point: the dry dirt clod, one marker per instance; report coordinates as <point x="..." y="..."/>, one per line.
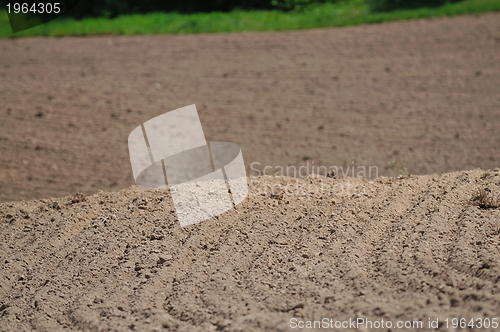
<point x="77" y="198"/>
<point x="485" y="199"/>
<point x="331" y="174"/>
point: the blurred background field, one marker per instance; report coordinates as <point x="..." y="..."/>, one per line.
<point x="190" y="16"/>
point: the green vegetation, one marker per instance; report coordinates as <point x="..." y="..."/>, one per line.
<point x="391" y="5"/>
<point x="341" y="13"/>
<point x="401" y="170"/>
<point x="114" y="8"/>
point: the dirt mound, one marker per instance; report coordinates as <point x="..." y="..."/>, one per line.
<point x="405" y="249"/>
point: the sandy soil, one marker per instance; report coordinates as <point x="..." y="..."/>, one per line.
<point x="401" y="249"/>
<point x="422" y="92"/>
<point x="393" y="249"/>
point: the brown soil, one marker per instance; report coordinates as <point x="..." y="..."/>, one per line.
<point x="422" y="92"/>
<point x="394" y="249"/>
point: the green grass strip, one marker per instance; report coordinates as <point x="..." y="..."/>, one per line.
<point x="327" y="15"/>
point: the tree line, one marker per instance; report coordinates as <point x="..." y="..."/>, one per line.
<point x="114" y="8"/>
